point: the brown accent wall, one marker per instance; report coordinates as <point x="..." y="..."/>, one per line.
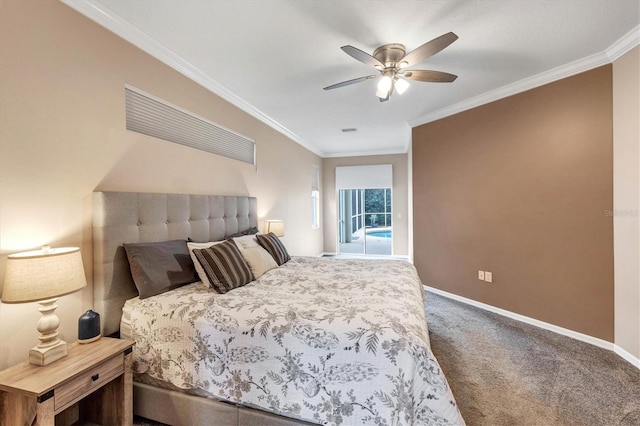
<point x="522" y="187"/>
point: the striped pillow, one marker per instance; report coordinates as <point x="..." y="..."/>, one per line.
<point x="199" y="270"/>
<point x="224" y="266"/>
<point x="274" y="246"/>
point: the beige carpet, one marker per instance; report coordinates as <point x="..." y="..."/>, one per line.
<point x="504" y="372"/>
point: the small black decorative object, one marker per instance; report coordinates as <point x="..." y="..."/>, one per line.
<point x="89" y="327"/>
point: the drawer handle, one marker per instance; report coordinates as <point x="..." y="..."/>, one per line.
<point x="95" y="377"/>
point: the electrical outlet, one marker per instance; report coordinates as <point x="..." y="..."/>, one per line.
<point x="481" y="275"/>
<point x="488" y="277"/>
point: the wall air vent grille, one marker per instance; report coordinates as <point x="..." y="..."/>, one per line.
<point x="151" y="116"/>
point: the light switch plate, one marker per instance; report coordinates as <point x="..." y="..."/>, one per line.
<point x="488" y="277"/>
<point x="481" y="275"/>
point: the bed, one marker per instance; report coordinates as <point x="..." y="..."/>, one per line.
<point x="311" y="341"/>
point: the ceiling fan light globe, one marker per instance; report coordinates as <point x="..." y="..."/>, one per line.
<point x="384" y="84"/>
<point x="382" y="94"/>
<point x="402" y="64"/>
<point x="401" y="85"/>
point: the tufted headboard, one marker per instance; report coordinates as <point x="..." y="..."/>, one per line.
<point x="138" y="217"/>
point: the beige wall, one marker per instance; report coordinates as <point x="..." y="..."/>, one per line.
<point x="520" y="187"/>
<point x="62" y="136"/>
<point x="626" y="200"/>
<point x="399" y="195"/>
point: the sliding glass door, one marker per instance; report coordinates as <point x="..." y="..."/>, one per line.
<point x="364" y="221"/>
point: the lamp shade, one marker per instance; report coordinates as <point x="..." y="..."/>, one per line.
<point x="43" y="274"/>
<point x="275" y="226"/>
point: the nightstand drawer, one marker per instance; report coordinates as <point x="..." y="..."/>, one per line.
<point x="81" y="386"/>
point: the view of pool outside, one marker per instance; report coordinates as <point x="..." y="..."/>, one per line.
<point x="379" y="233"/>
<point x="365" y="209"/>
<point x="378" y="241"/>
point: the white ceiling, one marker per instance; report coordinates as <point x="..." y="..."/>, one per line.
<point x="273" y="57"/>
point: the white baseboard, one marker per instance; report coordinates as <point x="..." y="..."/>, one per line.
<point x="541" y="324"/>
<point x="626" y="355"/>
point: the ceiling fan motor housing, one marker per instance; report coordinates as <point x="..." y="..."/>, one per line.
<point x="390" y="54"/>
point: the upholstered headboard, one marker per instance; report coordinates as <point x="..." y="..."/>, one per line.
<point x="136" y="217"/>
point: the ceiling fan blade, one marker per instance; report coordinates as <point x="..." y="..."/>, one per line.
<point x="350" y="82"/>
<point x="430" y="76"/>
<point x="428" y="49"/>
<point x="361" y="56"/>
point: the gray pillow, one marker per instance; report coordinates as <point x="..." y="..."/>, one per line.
<point x="250" y="231"/>
<point x="160" y="267"/>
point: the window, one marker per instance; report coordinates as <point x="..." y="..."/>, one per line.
<point x="315" y="197"/>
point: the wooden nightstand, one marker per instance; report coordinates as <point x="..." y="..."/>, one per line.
<point x="97" y="376"/>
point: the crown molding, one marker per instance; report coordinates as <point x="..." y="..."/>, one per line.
<point x="558" y="73"/>
<point x="613" y="52"/>
<point x="365" y="153"/>
<point x="143" y="41"/>
<point x="624" y="44"/>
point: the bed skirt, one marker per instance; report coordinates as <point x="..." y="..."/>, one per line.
<point x="181" y="409"/>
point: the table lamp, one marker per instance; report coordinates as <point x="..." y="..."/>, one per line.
<point x="42" y="276"/>
<point x="275" y="226"/>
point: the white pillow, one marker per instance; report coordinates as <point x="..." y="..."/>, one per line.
<point x="196" y="263"/>
<point x="258" y="259"/>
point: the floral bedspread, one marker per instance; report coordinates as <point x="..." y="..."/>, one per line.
<point x="340" y="342"/>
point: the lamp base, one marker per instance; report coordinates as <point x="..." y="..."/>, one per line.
<point x="45" y="356"/>
<point x="50" y="348"/>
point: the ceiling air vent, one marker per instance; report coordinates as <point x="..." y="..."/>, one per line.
<point x="152" y="116"/>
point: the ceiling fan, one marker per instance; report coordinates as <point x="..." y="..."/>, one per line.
<point x="391" y="60"/>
